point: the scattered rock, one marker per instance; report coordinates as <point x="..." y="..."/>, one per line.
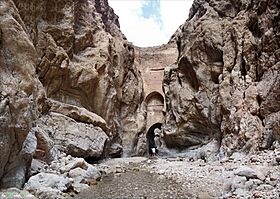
<point x="238" y="182"/>
<point x="49" y="185"/>
<point x="78" y="187"/>
<point x="37" y="166"/>
<point x="78" y="174"/>
<point x="92" y="173"/>
<point x="77" y="162"/>
<point x="15" y="193"/>
<point x="248" y="172"/>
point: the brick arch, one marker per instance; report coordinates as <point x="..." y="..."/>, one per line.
<point x="154" y="95"/>
<point x="155" y="106"/>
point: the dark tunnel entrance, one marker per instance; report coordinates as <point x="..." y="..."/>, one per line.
<point x="151" y="136"/>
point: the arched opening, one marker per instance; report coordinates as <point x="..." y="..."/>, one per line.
<point x="154" y="99"/>
<point x="155" y="106"/>
<point x="151" y="136"/>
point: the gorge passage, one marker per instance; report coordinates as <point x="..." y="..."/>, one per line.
<point x="74" y="90"/>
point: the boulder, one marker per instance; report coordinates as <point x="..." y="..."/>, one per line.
<point x="246" y="172"/>
<point x="48" y="185"/>
<point x="85" y="175"/>
<point x="92" y="173"/>
<point x="76" y="163"/>
<point x="37" y="166"/>
<point x="78" y="114"/>
<point x="78" y="174"/>
<point x="72" y="137"/>
<point x="249" y="173"/>
<point x="78" y="187"/>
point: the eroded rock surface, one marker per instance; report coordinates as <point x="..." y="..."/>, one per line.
<point x="69" y="85"/>
<point x="21" y="96"/>
<point x="84" y="59"/>
<point x="224" y="88"/>
<point x="75" y="138"/>
<point x="67" y="79"/>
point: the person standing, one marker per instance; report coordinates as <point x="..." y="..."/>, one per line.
<point x="157" y="139"/>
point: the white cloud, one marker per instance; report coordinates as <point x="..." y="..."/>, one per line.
<point x="174" y="13"/>
<point x="147" y="31"/>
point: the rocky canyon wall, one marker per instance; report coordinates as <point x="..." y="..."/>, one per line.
<point x="68" y="83"/>
<point x="224" y="92"/>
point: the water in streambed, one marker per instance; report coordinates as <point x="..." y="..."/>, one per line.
<point x="134" y="184"/>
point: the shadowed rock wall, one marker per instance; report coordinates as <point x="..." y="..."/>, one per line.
<point x="225" y="87"/>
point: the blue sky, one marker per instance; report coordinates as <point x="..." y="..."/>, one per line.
<point x="150" y="22"/>
<point x="151" y="9"/>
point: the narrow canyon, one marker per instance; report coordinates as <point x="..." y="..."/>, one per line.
<point x="84" y="113"/>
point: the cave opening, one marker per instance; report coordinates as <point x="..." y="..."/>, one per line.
<point x="152" y="136"/>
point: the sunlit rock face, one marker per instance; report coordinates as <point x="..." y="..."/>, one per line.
<point x="84" y="59"/>
<point x="225" y="87"/>
<point x="72" y="53"/>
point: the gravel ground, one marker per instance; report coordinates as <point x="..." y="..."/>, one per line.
<point x="135" y="184"/>
<point x="256" y="176"/>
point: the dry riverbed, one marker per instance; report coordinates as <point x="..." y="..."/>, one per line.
<point x="239" y="176"/>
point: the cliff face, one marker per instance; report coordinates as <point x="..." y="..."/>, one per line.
<point x="224" y="91"/>
<point x="67" y="82"/>
<point x="21" y="94"/>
